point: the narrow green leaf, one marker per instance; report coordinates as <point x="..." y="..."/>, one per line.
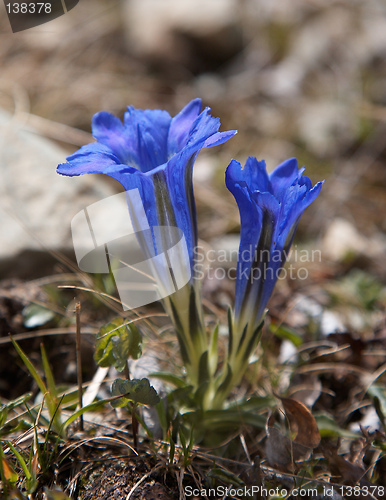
<point x="179" y="330"/>
<point x="253" y="341"/>
<point x="82" y="411"/>
<point x="20" y="459"/>
<point x="18" y="401"/>
<point x="213" y="351"/>
<point x="203" y="369"/>
<point x="228" y="377"/>
<point x="328" y="427"/>
<point x="162" y="416"/>
<point x="224" y="420"/>
<point x="225" y="476"/>
<point x="230" y="329"/>
<point x="51" y="401"/>
<point x="194" y="318"/>
<point x="182" y="438"/>
<point x="285" y="333"/>
<point x="30" y="367"/>
<point x="48" y="373"/>
<point x="172" y="449"/>
<point x="378" y="393"/>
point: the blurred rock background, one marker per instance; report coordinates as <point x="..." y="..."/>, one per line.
<point x="304" y="78"/>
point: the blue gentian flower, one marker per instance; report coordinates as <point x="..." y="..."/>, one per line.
<point x="155" y="153"/>
<point x="270" y="209"/>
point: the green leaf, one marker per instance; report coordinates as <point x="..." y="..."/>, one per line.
<point x="117" y="342"/>
<point x="203" y="369"/>
<point x="225" y="476"/>
<point x="378" y="393"/>
<point x="48" y="373"/>
<point x="3" y="416"/>
<point x="226" y="381"/>
<point x="30" y="367"/>
<point x="52" y="403"/>
<point x="20" y="459"/>
<point x="36" y="315"/>
<point x="137" y="391"/>
<point x="230" y="329"/>
<point x="163" y="417"/>
<point x="7" y="470"/>
<point x="10" y="426"/>
<point x="328" y="427"/>
<point x="172" y="450"/>
<point x="181" y="397"/>
<point x="213" y="351"/>
<point x="285" y="333"/>
<point x="91" y="407"/>
<point x="222" y="420"/>
<point x="19" y="401"/>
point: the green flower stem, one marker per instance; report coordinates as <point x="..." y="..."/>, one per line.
<point x="242" y="344"/>
<point x="185" y="309"/>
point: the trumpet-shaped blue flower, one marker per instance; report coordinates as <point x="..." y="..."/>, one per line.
<point x="270" y="209"/>
<point x="153" y="152"/>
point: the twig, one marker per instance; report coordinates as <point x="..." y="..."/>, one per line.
<point x="134" y="421"/>
<point x="141" y="481"/>
<point x="79" y="363"/>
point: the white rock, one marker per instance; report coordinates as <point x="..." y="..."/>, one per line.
<point x="322" y="122"/>
<point x="36" y="204"/>
<point x="341" y="239"/>
<point x="331" y="323"/>
<point x="151" y="23"/>
<point x="288" y="353"/>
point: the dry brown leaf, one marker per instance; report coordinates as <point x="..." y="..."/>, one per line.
<point x="280" y="451"/>
<point x="302" y="422"/>
<point x="9" y="473"/>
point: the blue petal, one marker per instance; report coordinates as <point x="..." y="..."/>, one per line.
<point x="296" y="200"/>
<point x="270" y="209"/>
<point x="91" y="159"/>
<point x="181" y="125"/>
<point x="284" y="176"/>
<point x="255" y="175"/>
<point x="219" y="138"/>
<point x="202" y="128"/>
<point x="155" y="154"/>
<point x="109" y="130"/>
<point x="147" y="131"/>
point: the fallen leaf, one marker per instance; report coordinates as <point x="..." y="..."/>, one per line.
<point x="302" y="422"/>
<point x="9" y="474"/>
